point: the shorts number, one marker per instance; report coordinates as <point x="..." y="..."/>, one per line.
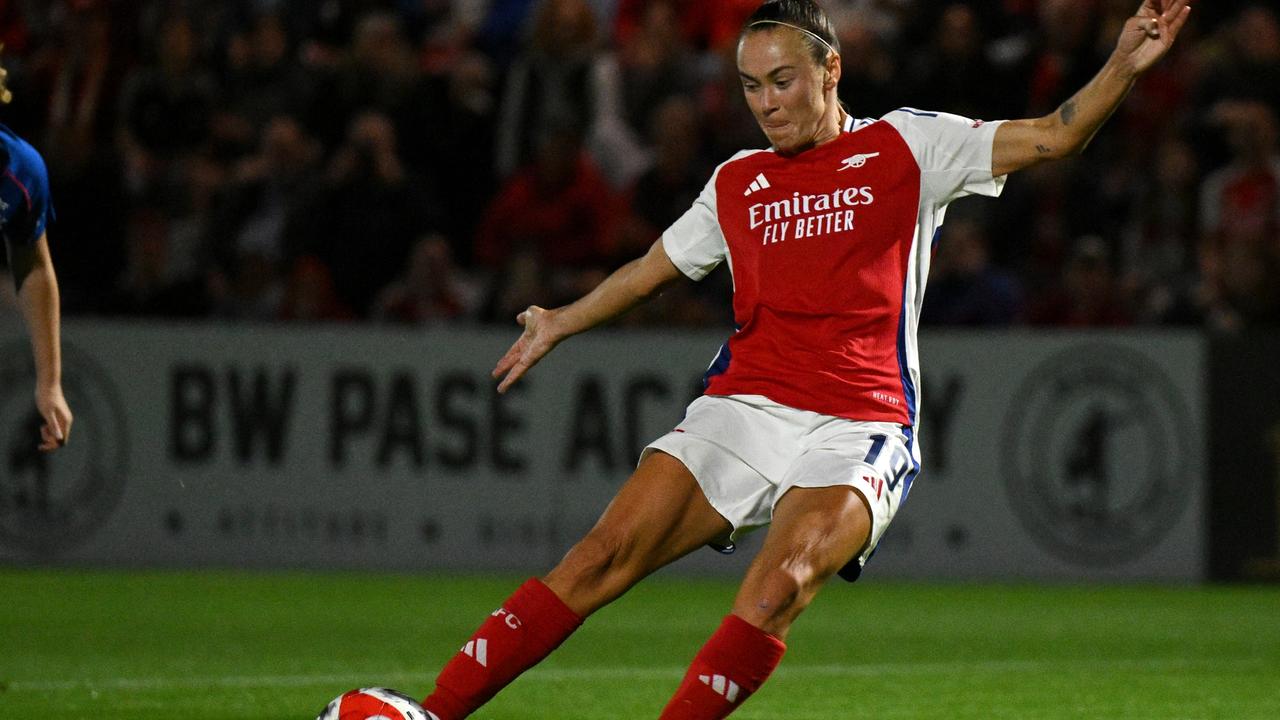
<point x="899" y="462"/>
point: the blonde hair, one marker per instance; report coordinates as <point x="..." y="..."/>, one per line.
<point x="5" y="96"/>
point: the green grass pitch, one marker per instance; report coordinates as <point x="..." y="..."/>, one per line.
<point x="142" y="645"/>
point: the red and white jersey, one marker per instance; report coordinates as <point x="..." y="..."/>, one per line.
<point x="829" y="252"/>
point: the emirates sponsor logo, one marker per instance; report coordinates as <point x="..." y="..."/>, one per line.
<point x="802" y="216"/>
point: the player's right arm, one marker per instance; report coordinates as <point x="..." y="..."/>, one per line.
<point x="38" y="295"/>
<point x="1145" y="38"/>
<point x="626" y="288"/>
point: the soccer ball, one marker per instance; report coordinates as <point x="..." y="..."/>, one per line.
<point x="374" y="704"/>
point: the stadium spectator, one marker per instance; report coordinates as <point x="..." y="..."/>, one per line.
<point x="455" y="142"/>
<point x="13" y="26"/>
<point x="431" y="288"/>
<point x="655" y="65"/>
<point x="68" y="100"/>
<point x="1240" y="219"/>
<point x="560" y="207"/>
<point x="657" y="199"/>
<point x="165" y="109"/>
<point x="1158" y="253"/>
<point x="888" y="19"/>
<point x="370" y="208"/>
<point x="1250" y="62"/>
<point x="1062" y="56"/>
<point x="710" y="25"/>
<point x="520" y="281"/>
<point x="73" y="78"/>
<point x="261" y="80"/>
<point x="252" y="290"/>
<point x="563" y="79"/>
<point x="308" y="294"/>
<point x="264" y="198"/>
<point x="1087" y="294"/>
<point x="456" y="146"/>
<point x="192" y="220"/>
<point x="153" y="283"/>
<point x="378" y="73"/>
<point x="673" y="181"/>
<point x="870" y="71"/>
<point x="954" y="70"/>
<point x="500" y="32"/>
<point x="964" y="287"/>
<point x="552" y="82"/>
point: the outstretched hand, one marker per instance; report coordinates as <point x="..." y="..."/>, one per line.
<point x="537" y="340"/>
<point x="1149" y="34"/>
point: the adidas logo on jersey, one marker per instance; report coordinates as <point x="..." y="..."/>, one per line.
<point x="760" y="183"/>
<point x="857" y="161"/>
<point x="721" y="685"/>
<point x="478" y="650"/>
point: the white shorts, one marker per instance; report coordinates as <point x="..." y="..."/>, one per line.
<point x="747" y="451"/>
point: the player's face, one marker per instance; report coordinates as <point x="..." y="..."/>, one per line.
<point x="785" y="88"/>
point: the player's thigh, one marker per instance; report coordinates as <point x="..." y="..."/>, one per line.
<point x="819" y="527"/>
<point x="874" y="459"/>
<point x="815" y="532"/>
<point x="659" y="515"/>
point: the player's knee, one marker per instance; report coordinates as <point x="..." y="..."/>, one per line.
<point x="779" y="596"/>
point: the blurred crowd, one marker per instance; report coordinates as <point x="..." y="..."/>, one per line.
<point x="425" y="161"/>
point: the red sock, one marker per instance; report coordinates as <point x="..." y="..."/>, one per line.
<point x="528" y="626"/>
<point x="734" y="663"/>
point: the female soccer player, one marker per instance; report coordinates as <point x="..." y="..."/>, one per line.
<point x="24" y="213"/>
<point x="808" y="421"/>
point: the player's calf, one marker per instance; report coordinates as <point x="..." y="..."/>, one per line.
<point x="601" y="567"/>
<point x="515" y="637"/>
<point x="733" y="664"/>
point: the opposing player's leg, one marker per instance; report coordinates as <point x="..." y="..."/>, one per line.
<point x="659" y="515"/>
<point x="815" y="532"/>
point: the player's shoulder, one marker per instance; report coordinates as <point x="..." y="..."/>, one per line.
<point x="744" y="157"/>
<point x="743" y="162"/>
<point x="913" y="120"/>
<point x="924" y="129"/>
<point x="10" y="140"/>
<point x="19" y="155"/>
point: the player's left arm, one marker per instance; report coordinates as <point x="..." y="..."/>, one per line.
<point x="1145" y="39"/>
<point x="38" y="295"/>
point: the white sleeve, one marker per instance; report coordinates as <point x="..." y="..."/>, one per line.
<point x="954" y="153"/>
<point x="695" y="243"/>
